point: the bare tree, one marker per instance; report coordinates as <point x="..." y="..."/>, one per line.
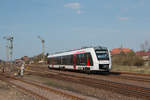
<point x="142" y="47"/>
<point x="145" y="46"/>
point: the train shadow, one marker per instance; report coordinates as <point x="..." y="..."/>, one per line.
<point x="95" y="72"/>
<point x="89" y="73"/>
<point x="105" y="73"/>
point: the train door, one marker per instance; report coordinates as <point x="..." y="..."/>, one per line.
<point x="74" y="61"/>
<point x="88" y="61"/>
<point x="52" y="62"/>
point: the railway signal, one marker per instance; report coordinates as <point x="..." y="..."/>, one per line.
<point x="9" y="49"/>
<point x="43" y="48"/>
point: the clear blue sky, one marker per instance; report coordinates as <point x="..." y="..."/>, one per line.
<point x="69" y="24"/>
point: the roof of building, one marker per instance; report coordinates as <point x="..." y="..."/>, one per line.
<point x="119" y="50"/>
<point x="143" y="53"/>
<point x="148" y="52"/>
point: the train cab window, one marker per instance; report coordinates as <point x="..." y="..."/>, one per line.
<point x="102" y="55"/>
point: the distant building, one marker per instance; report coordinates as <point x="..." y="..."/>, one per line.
<point x="18" y="61"/>
<point x="141" y="53"/>
<point x="145" y="54"/>
<point x="26" y="58"/>
<point x="116" y="51"/>
<point x="148" y="52"/>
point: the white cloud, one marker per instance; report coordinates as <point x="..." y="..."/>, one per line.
<point x="142" y="2"/>
<point x="78" y="11"/>
<point x="139" y="3"/>
<point x="75" y="6"/>
<point x="123" y="18"/>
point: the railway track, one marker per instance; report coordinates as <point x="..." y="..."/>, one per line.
<point x="113" y="74"/>
<point x="129" y="73"/>
<point x="133" y="78"/>
<point x="122" y="88"/>
<point x="38" y="90"/>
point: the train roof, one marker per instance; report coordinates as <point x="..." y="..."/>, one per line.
<point x="83" y="48"/>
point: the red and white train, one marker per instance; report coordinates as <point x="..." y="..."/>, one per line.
<point x="86" y="59"/>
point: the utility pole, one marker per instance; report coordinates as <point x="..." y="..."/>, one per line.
<point x="9" y="50"/>
<point x="1" y="66"/>
<point x="43" y="47"/>
<point x="7" y="53"/>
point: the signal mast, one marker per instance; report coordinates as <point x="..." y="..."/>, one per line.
<point x="43" y="48"/>
<point x="9" y="50"/>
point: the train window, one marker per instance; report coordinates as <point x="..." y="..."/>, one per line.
<point x="66" y="60"/>
<point x="70" y="60"/>
<point x="51" y="60"/>
<point x="63" y="60"/>
<point x="55" y="61"/>
<point x="77" y="60"/>
<point x="81" y="59"/>
<point x="58" y="60"/>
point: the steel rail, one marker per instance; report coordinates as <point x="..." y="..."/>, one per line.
<point x="73" y="97"/>
<point x="133" y="78"/>
<point x="29" y="92"/>
<point x="114" y="75"/>
<point x="122" y="88"/>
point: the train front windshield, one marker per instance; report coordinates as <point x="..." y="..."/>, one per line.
<point x="102" y="55"/>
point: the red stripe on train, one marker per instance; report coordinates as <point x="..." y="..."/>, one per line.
<point x="88" y="62"/>
<point x="74" y="61"/>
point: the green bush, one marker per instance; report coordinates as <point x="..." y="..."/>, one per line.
<point x="129" y="59"/>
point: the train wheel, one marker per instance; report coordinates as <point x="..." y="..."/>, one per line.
<point x="87" y="71"/>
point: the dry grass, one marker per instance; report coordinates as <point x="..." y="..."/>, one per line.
<point x="139" y="69"/>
